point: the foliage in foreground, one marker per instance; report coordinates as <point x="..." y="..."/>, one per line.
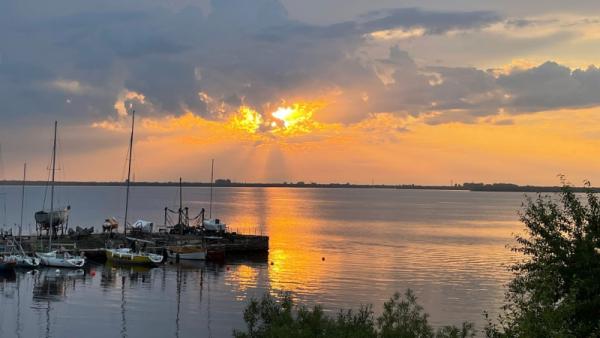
<point x="555" y="291"/>
<point x="402" y="317"/>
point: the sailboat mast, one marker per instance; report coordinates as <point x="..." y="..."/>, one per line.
<point x="22" y="200"/>
<point x="129" y="170"/>
<point x="212" y="169"/>
<point x="51" y="229"/>
<point x="180" y="203"/>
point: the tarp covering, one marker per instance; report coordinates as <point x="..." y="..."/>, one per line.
<point x="143" y="226"/>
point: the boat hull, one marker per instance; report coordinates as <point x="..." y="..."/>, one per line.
<point x="58" y="217"/>
<point x="126" y="256"/>
<point x="187" y="253"/>
<point x="7" y="265"/>
<point x="55" y="259"/>
<point x="26" y="262"/>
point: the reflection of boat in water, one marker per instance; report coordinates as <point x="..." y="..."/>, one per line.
<point x="61" y="259"/>
<point x="187" y="252"/>
<point x="51" y="284"/>
<point x="8" y="275"/>
<point x="128" y="256"/>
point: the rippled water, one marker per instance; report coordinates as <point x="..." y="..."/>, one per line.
<point x="338" y="247"/>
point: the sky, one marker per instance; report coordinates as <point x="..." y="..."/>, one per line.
<point x="394" y="92"/>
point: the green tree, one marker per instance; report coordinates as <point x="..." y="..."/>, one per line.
<point x="555" y="291"/>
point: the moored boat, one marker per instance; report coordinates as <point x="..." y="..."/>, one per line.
<point x="25" y="261"/>
<point x="55" y="258"/>
<point x="60" y="259"/>
<point x="214" y="224"/>
<point x="18" y="255"/>
<point x="187" y="252"/>
<point x="128" y="256"/>
<point x="22" y="259"/>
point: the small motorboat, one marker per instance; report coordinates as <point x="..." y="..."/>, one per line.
<point x="214" y="224"/>
<point x="7" y="263"/>
<point x="188" y="252"/>
<point x="128" y="256"/>
<point x="60" y="259"/>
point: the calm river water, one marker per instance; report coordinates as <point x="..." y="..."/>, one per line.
<point x="337" y="247"/>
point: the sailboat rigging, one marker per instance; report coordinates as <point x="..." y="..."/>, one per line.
<point x="52" y="220"/>
<point x="213" y="224"/>
<point x="128" y="255"/>
<point x="18" y="255"/>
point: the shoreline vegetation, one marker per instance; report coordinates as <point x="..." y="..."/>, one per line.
<point x="226" y="183"/>
<point x="554" y="291"/>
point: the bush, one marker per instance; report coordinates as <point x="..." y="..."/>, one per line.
<point x="401" y="317"/>
<point x="556" y="288"/>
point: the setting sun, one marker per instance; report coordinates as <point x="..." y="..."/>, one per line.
<point x="297" y="117"/>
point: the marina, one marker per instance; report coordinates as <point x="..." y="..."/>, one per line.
<point x="93" y="246"/>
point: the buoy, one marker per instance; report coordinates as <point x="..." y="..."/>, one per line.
<point x="272" y="263"/>
<point x="323" y="259"/>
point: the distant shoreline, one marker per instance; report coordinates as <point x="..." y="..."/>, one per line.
<point x="496" y="187"/>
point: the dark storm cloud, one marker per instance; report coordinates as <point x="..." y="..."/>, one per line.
<point x="552" y="86"/>
<point x="65" y="59"/>
<point x="433" y="22"/>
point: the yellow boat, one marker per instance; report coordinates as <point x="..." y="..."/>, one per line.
<point x="127" y="256"/>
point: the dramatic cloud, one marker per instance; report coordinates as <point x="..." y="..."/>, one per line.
<point x="258" y="74"/>
<point x="75" y="62"/>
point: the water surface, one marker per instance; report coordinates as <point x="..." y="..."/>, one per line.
<point x="337" y="247"/>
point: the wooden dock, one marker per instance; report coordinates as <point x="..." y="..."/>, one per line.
<point x="227" y="244"/>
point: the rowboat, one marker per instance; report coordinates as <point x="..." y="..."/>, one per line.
<point x="60" y="259"/>
<point x="188" y="252"/>
<point x="127" y="256"/>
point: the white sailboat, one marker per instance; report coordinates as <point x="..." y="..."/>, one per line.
<point x="21" y="259"/>
<point x="60" y="259"/>
<point x="17" y="254"/>
<point x="56" y="258"/>
<point x="213" y="224"/>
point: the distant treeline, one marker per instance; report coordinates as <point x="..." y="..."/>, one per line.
<point x="507" y="187"/>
